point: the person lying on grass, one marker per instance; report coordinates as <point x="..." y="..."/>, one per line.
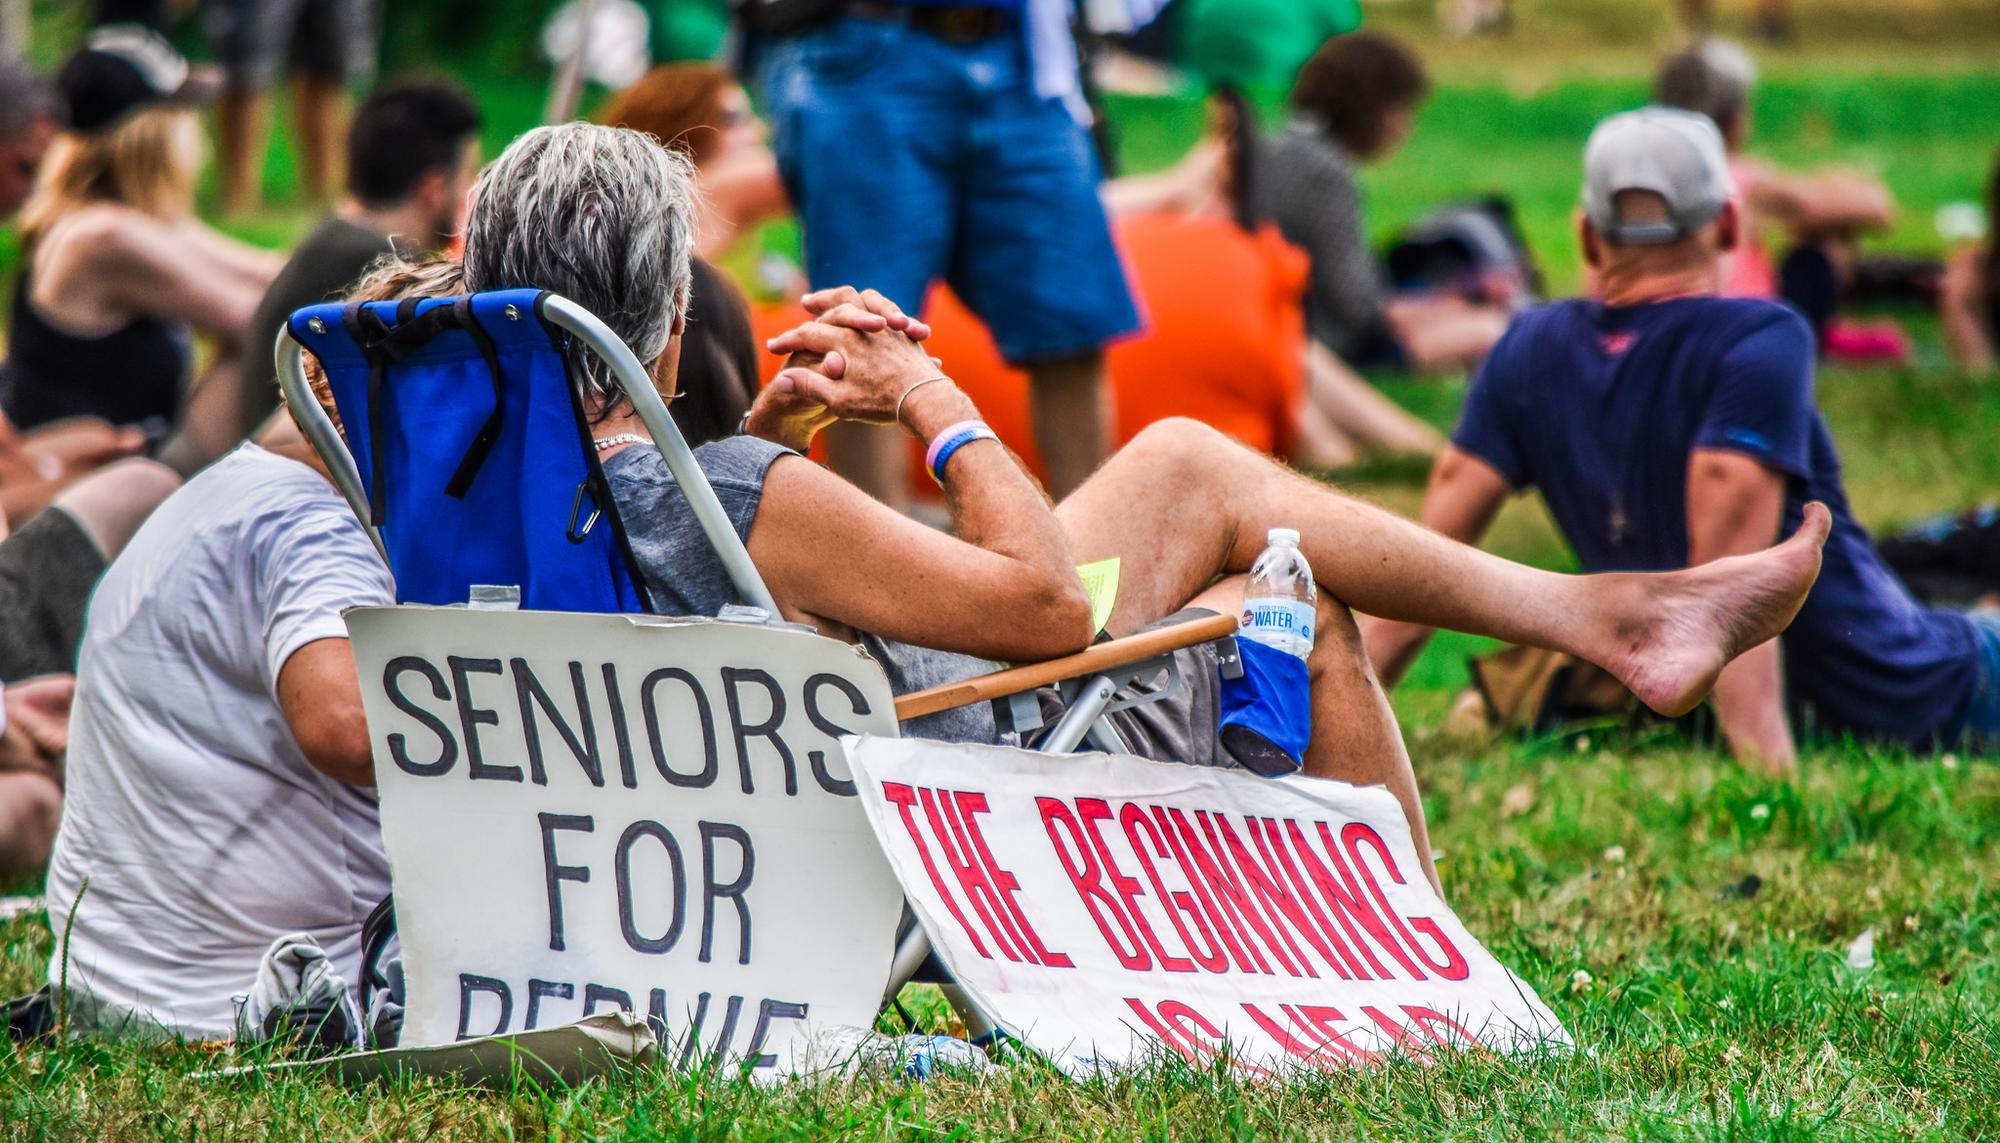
<point x="604" y="217"/>
<point x="1667" y="427"/>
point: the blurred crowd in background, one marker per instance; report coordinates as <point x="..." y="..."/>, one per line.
<point x="949" y="155"/>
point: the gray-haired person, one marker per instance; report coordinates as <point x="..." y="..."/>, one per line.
<point x="1820" y="212"/>
<point x="602" y="216"/>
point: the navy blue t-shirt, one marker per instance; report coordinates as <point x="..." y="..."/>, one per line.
<point x="1601" y="407"/>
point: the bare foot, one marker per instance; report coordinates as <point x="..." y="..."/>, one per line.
<point x="1686" y="626"/>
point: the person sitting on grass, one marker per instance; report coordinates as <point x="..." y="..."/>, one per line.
<point x="36" y="465"/>
<point x="220" y="781"/>
<point x="1822" y="213"/>
<point x="47" y="571"/>
<point x="1970" y="306"/>
<point x="1669" y="427"/>
<point x="412" y="152"/>
<point x="605" y="217"/>
<point x="115" y="268"/>
<point x="1354" y="103"/>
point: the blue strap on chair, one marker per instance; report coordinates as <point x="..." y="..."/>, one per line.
<point x="472" y="445"/>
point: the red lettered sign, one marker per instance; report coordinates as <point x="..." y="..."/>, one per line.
<point x="1104" y="908"/>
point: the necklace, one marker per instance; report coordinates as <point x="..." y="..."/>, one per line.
<point x="617" y="439"/>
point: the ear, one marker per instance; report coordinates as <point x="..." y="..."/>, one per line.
<point x="431" y="188"/>
<point x="1593" y="253"/>
<point x="1728" y="227"/>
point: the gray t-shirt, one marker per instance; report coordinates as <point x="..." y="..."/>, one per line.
<point x="686" y="577"/>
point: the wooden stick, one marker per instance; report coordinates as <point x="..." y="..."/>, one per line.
<point x="1089" y="661"/>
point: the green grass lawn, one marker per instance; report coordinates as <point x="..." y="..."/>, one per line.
<point x="1709" y="911"/>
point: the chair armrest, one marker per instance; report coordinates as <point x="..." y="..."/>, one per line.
<point x="1091" y="660"/>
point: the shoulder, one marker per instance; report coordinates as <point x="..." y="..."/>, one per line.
<point x="95" y="237"/>
<point x="271" y="490"/>
<point x="1739" y="319"/>
<point x="339" y="238"/>
<point x="738" y="461"/>
<point x="1301" y="153"/>
<point x="1550" y="323"/>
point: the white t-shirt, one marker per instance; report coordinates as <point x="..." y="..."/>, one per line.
<point x="201" y="828"/>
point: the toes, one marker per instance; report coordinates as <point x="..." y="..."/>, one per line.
<point x="1818" y="523"/>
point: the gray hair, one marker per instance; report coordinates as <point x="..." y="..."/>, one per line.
<point x="24" y="97"/>
<point x="1713" y="78"/>
<point x="604" y="216"/>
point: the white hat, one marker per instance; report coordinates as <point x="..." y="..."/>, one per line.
<point x="1675" y="154"/>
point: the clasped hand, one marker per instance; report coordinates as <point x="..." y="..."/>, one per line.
<point x="854" y="362"/>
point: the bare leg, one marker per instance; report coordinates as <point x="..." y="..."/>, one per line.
<point x="1445" y="333"/>
<point x="30" y="810"/>
<point x="241" y="118"/>
<point x="1355" y="736"/>
<point x="1360" y="411"/>
<point x="111" y="503"/>
<point x="1183" y="503"/>
<point x="1071" y="406"/>
<point x="1321" y="444"/>
<point x="1961" y="311"/>
<point x="874" y="458"/>
<point x="322" y="117"/>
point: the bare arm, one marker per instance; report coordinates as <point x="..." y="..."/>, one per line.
<point x="126" y="263"/>
<point x="1963" y="311"/>
<point x="1823" y="200"/>
<point x="253" y="264"/>
<point x="1194" y="185"/>
<point x="321" y="698"/>
<point x="1464" y="495"/>
<point x="1004" y="586"/>
<point x="1735" y="506"/>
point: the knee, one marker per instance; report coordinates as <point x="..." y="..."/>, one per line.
<point x="1338" y="641"/>
<point x="143" y="483"/>
<point x="111" y="503"/>
<point x="1178" y="443"/>
<point x="31" y="810"/>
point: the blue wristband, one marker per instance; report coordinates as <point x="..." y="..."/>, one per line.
<point x="955" y="438"/>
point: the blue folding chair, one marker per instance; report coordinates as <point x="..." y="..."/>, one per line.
<point x="468" y="452"/>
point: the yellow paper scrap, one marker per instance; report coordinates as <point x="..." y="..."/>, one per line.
<point x="1100" y="583"/>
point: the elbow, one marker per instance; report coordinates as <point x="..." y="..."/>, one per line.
<point x="1057" y="620"/>
<point x="341" y="750"/>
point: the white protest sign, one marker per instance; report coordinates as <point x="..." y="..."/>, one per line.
<point x="589" y="812"/>
<point x="1098" y="906"/>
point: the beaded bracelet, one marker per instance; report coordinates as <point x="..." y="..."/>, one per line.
<point x="953" y="438"/>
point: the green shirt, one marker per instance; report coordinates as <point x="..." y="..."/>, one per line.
<point x="1258" y="46"/>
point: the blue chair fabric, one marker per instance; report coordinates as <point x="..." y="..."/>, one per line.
<point x="475" y="450"/>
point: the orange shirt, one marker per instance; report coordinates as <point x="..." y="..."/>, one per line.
<point x="1224" y="341"/>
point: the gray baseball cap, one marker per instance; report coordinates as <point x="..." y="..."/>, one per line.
<point x="1675" y="154"/>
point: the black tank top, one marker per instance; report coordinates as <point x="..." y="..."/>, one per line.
<point x="131" y="376"/>
<point x="1992" y="269"/>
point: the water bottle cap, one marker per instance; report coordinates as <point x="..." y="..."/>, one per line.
<point x="1289" y="537"/>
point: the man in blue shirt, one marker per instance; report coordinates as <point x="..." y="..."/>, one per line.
<point x="1667" y="427"/>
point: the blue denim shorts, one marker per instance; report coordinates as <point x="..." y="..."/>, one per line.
<point x="911" y="159"/>
<point x="1981" y="726"/>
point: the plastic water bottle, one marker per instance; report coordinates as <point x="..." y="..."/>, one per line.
<point x="1279" y="604"/>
